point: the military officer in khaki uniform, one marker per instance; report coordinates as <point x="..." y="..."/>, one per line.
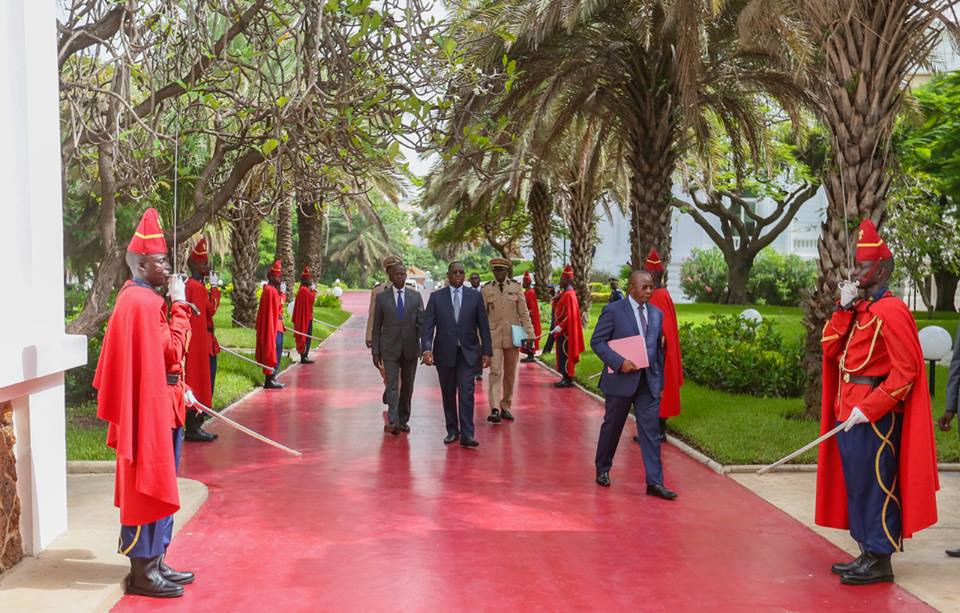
<point x="506" y="307"/>
<point x="388" y="263"/>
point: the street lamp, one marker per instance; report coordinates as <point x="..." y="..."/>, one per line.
<point x="936" y="344"/>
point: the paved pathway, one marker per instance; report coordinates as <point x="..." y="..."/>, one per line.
<point x="372" y="522"/>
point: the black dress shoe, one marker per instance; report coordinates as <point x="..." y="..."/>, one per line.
<point x="199" y="435"/>
<point x="636" y="438"/>
<point x="271" y="383"/>
<point x="660" y="492"/>
<point x="305" y="360"/>
<point x="845" y="567"/>
<point x="145" y="580"/>
<point x="384" y="399"/>
<point x="875" y="568"/>
<point x="404" y="428"/>
<point x="529" y="359"/>
<point x="478" y="378"/>
<point x="494" y="416"/>
<point x="953" y="553"/>
<point x="506" y="414"/>
<point x="565" y="382"/>
<point x="391" y="428"/>
<point x="468" y="442"/>
<point x="175" y="576"/>
<point x="451" y="438"/>
<point x="603" y="479"/>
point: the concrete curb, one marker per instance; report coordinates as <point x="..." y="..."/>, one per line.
<point x="92" y="467"/>
<point x="722" y="469"/>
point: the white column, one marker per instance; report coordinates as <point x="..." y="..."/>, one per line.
<point x="34" y="350"/>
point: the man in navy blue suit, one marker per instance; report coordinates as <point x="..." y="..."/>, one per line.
<point x="630" y="385"/>
<point x="456" y="337"/>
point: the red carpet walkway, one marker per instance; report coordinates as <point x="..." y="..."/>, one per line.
<point x="372" y="522"/>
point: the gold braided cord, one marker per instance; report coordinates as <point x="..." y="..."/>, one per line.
<point x="885" y="442"/>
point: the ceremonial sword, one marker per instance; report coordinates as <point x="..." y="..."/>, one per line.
<point x="243" y="357"/>
<point x="806" y="447"/>
<point x="245" y="430"/>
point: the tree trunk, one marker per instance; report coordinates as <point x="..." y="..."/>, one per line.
<point x="244" y="244"/>
<point x="285" y="245"/>
<point x="540" y="206"/>
<point x="946" y="289"/>
<point x="652" y="162"/>
<point x="738" y="271"/>
<point x="310" y="228"/>
<point x="583" y="223"/>
<point x="860" y="103"/>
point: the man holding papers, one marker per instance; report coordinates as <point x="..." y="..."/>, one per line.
<point x="629" y="340"/>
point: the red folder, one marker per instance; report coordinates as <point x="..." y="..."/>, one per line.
<point x="633" y="348"/>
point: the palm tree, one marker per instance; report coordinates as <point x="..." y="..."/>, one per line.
<point x="665" y="72"/>
<point x="865" y="52"/>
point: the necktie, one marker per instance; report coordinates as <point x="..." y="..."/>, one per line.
<point x="643" y="321"/>
<point x="501" y="288"/>
<point x="456" y="304"/>
<point x="400" y="303"/>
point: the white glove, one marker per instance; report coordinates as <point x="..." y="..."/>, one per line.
<point x="313" y="287"/>
<point x="283" y="287"/>
<point x="176" y="290"/>
<point x="214" y="280"/>
<point x="556" y="330"/>
<point x="856" y="417"/>
<point x="848" y="292"/>
<point x="189" y="398"/>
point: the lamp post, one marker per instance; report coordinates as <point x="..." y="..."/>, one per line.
<point x="936" y="344"/>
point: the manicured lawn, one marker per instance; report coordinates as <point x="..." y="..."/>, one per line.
<point x="235" y="377"/>
<point x="741" y="429"/>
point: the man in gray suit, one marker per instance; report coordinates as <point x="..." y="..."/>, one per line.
<point x="953" y="401"/>
<point x="629" y="385"/>
<point x="397" y="316"/>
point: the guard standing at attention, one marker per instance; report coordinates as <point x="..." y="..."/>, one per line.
<point x="506" y="308"/>
<point x="878" y="476"/>
<point x="198" y="373"/>
<point x="140" y="394"/>
<point x="533" y="306"/>
<point x="568" y="329"/>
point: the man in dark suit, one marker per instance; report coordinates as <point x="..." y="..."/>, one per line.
<point x="397" y="316"/>
<point x="456" y="337"/>
<point x="630" y="385"/>
<point x="953" y="401"/>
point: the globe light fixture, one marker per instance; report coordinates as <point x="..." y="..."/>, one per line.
<point x="936" y="344"/>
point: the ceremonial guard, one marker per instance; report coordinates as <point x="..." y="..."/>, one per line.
<point x="270" y="326"/>
<point x="140" y="394"/>
<point x="303" y="314"/>
<point x="200" y="368"/>
<point x="673" y="357"/>
<point x="506" y="309"/>
<point x="878" y="476"/>
<point x="530" y="296"/>
<point x="568" y="329"/>
<point x="615" y="293"/>
<point x="388" y="262"/>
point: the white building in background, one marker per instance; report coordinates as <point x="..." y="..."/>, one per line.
<point x="34" y="350"/>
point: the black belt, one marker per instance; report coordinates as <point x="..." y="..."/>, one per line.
<point x="864" y="380"/>
<point x="172" y="379"/>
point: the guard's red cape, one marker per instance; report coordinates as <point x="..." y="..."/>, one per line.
<point x="534" y="307"/>
<point x="133" y="397"/>
<point x="271" y="306"/>
<point x="214" y="305"/>
<point x="197" y="372"/>
<point x="567" y="313"/>
<point x="918" y="477"/>
<point x="303" y="314"/>
<point x="673" y="358"/>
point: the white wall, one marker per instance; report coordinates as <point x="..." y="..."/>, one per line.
<point x="34" y="350"/>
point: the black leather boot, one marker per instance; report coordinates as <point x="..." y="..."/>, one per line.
<point x="874" y="568"/>
<point x="845" y="567"/>
<point x="270" y="383"/>
<point x="175" y="576"/>
<point x="198" y="435"/>
<point x="145" y="580"/>
<point x="304" y="359"/>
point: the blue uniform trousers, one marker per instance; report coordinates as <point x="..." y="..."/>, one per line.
<point x="562" y="355"/>
<point x="213" y="373"/>
<point x="870" y="455"/>
<point x="306" y="349"/>
<point x="276" y="370"/>
<point x="151" y="540"/>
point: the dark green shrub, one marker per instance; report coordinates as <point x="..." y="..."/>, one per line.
<point x="780" y="279"/>
<point x="736" y="355"/>
<point x="703" y="275"/>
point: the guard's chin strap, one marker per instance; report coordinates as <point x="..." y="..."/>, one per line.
<point x="872" y="271"/>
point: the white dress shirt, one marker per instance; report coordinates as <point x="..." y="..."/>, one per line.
<point x="636" y="307"/>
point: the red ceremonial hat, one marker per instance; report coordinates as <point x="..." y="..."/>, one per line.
<point x="567" y="273"/>
<point x="148" y="237"/>
<point x="653" y="263"/>
<point x="306" y="273"/>
<point x="277" y="268"/>
<point x="870" y="247"/>
<point x="527" y="278"/>
<point x="199" y="253"/>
